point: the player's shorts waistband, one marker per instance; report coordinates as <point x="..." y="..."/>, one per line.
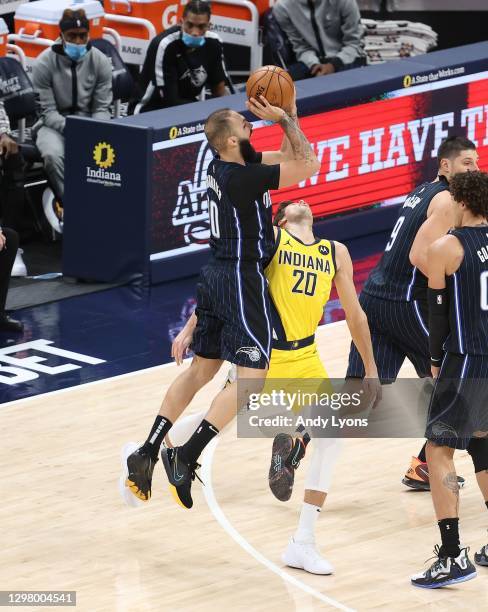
<point x="293" y="345"/>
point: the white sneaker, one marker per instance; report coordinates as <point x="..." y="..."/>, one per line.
<point x="19" y="269"/>
<point x="304" y="555"/>
<point x="128" y="498"/>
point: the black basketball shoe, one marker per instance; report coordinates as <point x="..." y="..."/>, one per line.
<point x="140" y="467"/>
<point x="481" y="558"/>
<point x="446" y="571"/>
<point x="285" y="459"/>
<point x="180" y="475"/>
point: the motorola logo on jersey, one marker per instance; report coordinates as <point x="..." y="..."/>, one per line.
<point x="323" y="249"/>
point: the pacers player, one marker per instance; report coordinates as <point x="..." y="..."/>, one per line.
<point x="300" y="275"/>
<point x="232" y="299"/>
<point x="394" y="297"/>
<point x="458" y="412"/>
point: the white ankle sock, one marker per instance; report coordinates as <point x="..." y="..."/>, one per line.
<point x="306" y="524"/>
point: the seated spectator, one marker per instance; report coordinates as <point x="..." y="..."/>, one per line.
<point x="12" y="188"/>
<point x="72" y="78"/>
<point x="183" y="60"/>
<point x="9" y="243"/>
<point x="325" y="35"/>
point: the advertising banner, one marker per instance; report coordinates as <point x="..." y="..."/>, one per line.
<point x="371" y="153"/>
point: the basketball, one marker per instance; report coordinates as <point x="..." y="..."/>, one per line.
<point x="273" y="83"/>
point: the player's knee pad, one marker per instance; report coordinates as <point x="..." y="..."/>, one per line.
<point x="478" y="449"/>
<point x="325" y="452"/>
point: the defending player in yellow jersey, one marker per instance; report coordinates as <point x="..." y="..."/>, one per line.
<point x="300" y="278"/>
<point x="300" y="274"/>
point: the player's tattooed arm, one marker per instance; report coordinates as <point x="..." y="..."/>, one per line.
<point x="301" y="148"/>
<point x="303" y="162"/>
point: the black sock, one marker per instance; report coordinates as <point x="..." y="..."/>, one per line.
<point x="421" y="456"/>
<point x="199" y="440"/>
<point x="156" y="436"/>
<point x="449" y="528"/>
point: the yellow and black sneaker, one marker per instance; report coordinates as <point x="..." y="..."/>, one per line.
<point x="140" y="467"/>
<point x="180" y="475"/>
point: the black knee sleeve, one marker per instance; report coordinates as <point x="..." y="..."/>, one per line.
<point x="478" y="449"/>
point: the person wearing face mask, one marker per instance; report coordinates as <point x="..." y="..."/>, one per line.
<point x="71" y="78"/>
<point x="181" y="61"/>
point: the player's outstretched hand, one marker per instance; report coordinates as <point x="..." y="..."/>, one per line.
<point x="263" y="109"/>
<point x="179" y="348"/>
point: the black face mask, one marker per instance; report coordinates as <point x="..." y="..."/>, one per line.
<point x="248" y="152"/>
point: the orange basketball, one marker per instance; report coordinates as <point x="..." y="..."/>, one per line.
<point x="273" y="83"/>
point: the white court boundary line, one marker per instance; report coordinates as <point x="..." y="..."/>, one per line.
<point x="207" y="459"/>
<point x="100" y="381"/>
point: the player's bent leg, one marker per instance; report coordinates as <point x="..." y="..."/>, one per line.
<point x="183" y="389"/>
<point x="140" y="463"/>
<point x="180" y="463"/>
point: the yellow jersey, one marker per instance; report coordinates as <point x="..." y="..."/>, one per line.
<point x="300" y="279"/>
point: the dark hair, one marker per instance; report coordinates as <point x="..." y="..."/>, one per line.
<point x="197" y="7"/>
<point x="72" y="20"/>
<point x="452" y="147"/>
<point x="217" y="128"/>
<point x="471" y="188"/>
<point x="280" y="213"/>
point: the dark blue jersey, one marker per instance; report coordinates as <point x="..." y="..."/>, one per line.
<point x="394" y="277"/>
<point x="239" y="207"/>
<point x="468" y="294"/>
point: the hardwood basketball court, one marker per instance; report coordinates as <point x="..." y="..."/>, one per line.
<point x="65" y="527"/>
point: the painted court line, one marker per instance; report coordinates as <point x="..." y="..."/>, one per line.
<point x="207" y="459"/>
<point x="119" y="376"/>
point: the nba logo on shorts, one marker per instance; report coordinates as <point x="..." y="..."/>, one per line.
<point x="252" y="352"/>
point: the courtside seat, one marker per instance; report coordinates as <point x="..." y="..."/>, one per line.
<point x="17" y="93"/>
<point x="122" y="83"/>
<point x="277" y="50"/>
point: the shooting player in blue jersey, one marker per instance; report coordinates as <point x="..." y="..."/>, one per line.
<point x="232" y="319"/>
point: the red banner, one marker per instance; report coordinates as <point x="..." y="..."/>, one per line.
<point x="369" y="153"/>
<point x="381" y="150"/>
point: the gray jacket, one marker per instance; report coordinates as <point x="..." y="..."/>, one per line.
<point x="339" y="24"/>
<point x="65" y="87"/>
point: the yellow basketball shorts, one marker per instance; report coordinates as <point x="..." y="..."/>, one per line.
<point x="299" y="372"/>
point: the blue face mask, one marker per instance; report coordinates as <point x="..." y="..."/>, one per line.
<point x="192" y="41"/>
<point x="75" y="52"/>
